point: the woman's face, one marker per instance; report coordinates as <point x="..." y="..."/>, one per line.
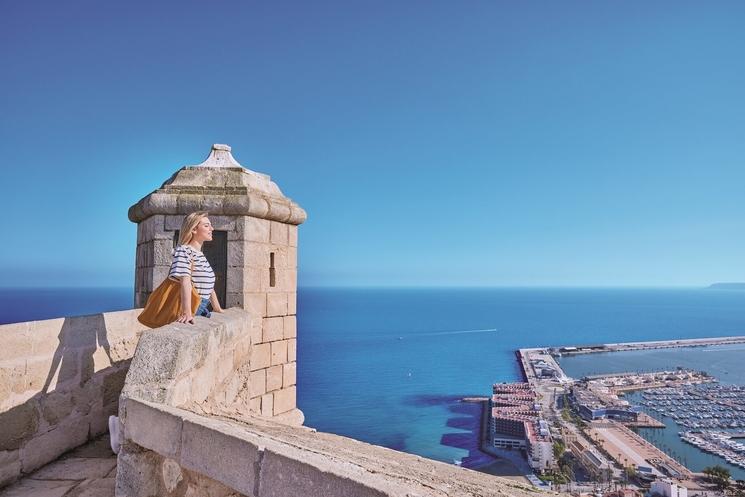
<point x="203" y="231"/>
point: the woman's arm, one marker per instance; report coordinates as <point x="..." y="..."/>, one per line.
<point x="185" y="316"/>
<point x="215" y="303"/>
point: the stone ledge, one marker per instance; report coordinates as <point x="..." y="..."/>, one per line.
<point x="170" y="353"/>
<point x="220" y="452"/>
<point x="141" y="419"/>
<point x="262" y="458"/>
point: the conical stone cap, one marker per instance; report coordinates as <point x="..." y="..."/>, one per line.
<point x="222" y="187"/>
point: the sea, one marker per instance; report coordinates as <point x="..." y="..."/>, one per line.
<point x="390" y="366"/>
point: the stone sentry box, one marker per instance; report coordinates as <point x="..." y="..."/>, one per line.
<point x="260" y="226"/>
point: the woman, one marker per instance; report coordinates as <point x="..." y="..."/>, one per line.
<point x="191" y="267"/>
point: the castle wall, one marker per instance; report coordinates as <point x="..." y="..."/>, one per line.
<point x="186" y="431"/>
<point x="270" y="293"/>
<point x="60" y="379"/>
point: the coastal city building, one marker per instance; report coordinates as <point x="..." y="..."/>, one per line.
<point x="668" y="488"/>
<point x="516" y="423"/>
<point x="599" y="403"/>
<point x="623" y="382"/>
<point x="587" y="456"/>
<point x="543" y="369"/>
<point x="597" y="397"/>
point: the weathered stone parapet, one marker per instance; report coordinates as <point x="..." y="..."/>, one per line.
<point x="194" y="455"/>
<point x="60" y="379"/>
<point x="218" y="365"/>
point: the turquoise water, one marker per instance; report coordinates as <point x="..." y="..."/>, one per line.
<point x="724" y="362"/>
<point x="388" y="366"/>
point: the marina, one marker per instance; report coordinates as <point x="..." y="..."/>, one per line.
<point x="705" y="409"/>
<point x="719" y="443"/>
<point x="646" y="400"/>
<point x="693" y="406"/>
<point x="713" y="406"/>
<point x="601" y="415"/>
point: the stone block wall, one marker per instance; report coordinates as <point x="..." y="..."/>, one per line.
<point x="153" y="256"/>
<point x="262" y="254"/>
<point x="60" y="379"/>
<point x="173" y="452"/>
<point x="203" y="367"/>
<point x="261" y="278"/>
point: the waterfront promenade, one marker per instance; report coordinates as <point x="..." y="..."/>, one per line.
<point x="627" y="448"/>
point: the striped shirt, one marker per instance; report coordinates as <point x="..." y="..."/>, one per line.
<point x="203" y="278"/>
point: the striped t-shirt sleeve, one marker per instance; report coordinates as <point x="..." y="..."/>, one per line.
<point x="202" y="276"/>
<point x="181" y="265"/>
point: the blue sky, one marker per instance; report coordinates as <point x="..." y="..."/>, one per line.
<point x="431" y="143"/>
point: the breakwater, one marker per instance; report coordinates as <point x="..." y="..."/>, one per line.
<point x="521" y="365"/>
<point x="655" y="344"/>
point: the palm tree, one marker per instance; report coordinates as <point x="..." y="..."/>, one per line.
<point x="739" y="488"/>
<point x="719" y="476"/>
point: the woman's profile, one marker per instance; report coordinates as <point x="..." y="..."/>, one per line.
<point x="191" y="267"/>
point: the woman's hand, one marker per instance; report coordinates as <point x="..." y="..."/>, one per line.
<point x="185" y="317"/>
<point x="215" y="302"/>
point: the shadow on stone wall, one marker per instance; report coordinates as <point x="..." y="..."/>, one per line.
<point x="71" y="338"/>
<point x="62" y="378"/>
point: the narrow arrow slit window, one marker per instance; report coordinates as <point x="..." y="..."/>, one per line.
<point x="272" y="271"/>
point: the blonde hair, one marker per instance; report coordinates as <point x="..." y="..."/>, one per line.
<point x="190" y="222"/>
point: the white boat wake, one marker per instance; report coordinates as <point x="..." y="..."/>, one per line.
<point x="456" y="332"/>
